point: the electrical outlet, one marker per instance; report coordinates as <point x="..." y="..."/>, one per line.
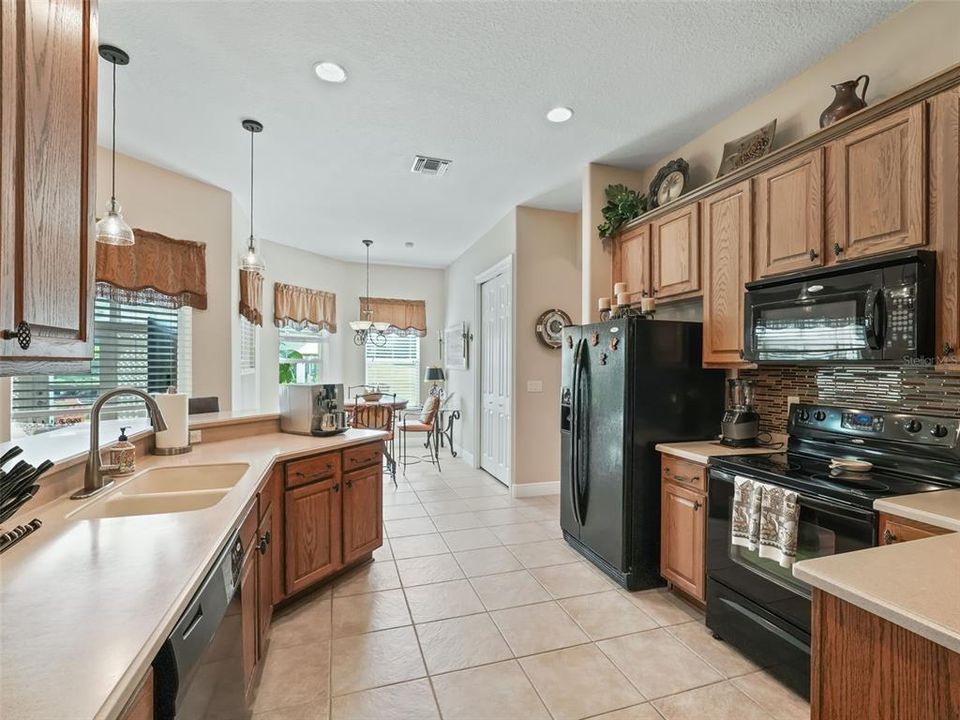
<point x="534" y="386"/>
<point x="196" y="436"/>
<point x="792" y="400"/>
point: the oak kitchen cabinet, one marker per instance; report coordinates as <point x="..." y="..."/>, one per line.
<point x="944" y="217"/>
<point x="140" y="706"/>
<point x="312" y="516"/>
<point x="726" y="237"/>
<point x="893" y="529"/>
<point x="683" y="525"/>
<point x="48" y="111"/>
<point x="675" y="253"/>
<point x="631" y="261"/>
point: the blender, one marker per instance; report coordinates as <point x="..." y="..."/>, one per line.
<point x="741" y="422"/>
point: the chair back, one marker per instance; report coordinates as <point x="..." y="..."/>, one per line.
<point x="372" y="416"/>
<point x="196" y="405"/>
<point x="429" y="411"/>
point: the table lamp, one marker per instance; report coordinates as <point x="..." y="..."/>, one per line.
<point x="435" y="375"/>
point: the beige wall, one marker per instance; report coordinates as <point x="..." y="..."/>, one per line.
<point x="547" y="276"/>
<point x="180" y="207"/>
<point x="912" y="45"/>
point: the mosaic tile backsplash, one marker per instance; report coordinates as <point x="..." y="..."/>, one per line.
<point x="905" y="389"/>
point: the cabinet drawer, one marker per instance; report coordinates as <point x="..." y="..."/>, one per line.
<point x="363" y="456"/>
<point x="684" y="473"/>
<point x="308" y="470"/>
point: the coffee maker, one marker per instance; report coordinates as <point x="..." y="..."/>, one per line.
<point x="312" y="409"/>
<point x="741" y="422"/>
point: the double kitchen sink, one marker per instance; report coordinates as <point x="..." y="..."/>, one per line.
<point x="166" y="490"/>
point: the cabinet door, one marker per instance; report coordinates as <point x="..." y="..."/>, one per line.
<point x="277" y="537"/>
<point x="879" y="200"/>
<point x="683" y="525"/>
<point x="140" y="706"/>
<point x="248" y="617"/>
<point x="48" y="180"/>
<point x="726" y="221"/>
<point x="264" y="581"/>
<point x="362" y="512"/>
<point x="789" y="216"/>
<point x="896" y="530"/>
<point x="312" y="533"/>
<point x="945" y="221"/>
<point x="631" y="261"/>
<point x="675" y="253"/>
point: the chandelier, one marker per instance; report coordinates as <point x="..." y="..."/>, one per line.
<point x="365" y="330"/>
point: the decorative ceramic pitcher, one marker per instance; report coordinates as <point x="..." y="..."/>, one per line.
<point x="846" y="101"/>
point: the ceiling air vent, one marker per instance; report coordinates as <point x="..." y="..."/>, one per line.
<point x="423" y="165"/>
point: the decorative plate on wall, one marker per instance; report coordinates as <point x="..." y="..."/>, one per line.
<point x="549" y="328"/>
<point x="748" y="148"/>
<point x="670" y="182"/>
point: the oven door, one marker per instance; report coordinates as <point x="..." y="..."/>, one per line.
<point x="826" y="528"/>
<point x="839" y="319"/>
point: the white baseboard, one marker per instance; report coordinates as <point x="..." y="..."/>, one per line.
<point x="467" y="457"/>
<point x="534" y="489"/>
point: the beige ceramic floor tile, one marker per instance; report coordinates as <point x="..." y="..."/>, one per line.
<point x="541" y="554"/>
<point x="428" y="569"/>
<point x="657" y="663"/>
<point x="538" y="628"/>
<point x="442" y="600"/>
<point x="311" y="711"/>
<point x="294" y="676"/>
<point x="552" y="529"/>
<point x="460" y="643"/>
<point x="779" y="700"/>
<point x="528" y="532"/>
<point x="418" y="546"/>
<point x="355" y="614"/>
<point x="487" y="561"/>
<point x="491" y="692"/>
<point x="306" y="621"/>
<point x="445" y="507"/>
<point x="429" y="496"/>
<point x="365" y="661"/>
<point x="410" y="526"/>
<point x="400" y="498"/>
<point x="720" y="655"/>
<point x="718" y="702"/>
<point x="384" y="552"/>
<point x="470" y="539"/>
<point x="458" y="521"/>
<point x="645" y="711"/>
<point x="484" y="501"/>
<point x="402" y="512"/>
<point x="663" y="608"/>
<point x="378" y="575"/>
<point x="405" y="701"/>
<point x="579" y="682"/>
<point x="573" y="579"/>
<point x="505" y="516"/>
<point x="607" y="614"/>
<point x="509" y="590"/>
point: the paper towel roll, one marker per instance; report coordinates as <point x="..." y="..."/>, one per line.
<point x="174" y="409"/>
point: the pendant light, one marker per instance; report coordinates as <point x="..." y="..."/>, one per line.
<point x="112" y="229"/>
<point x="365" y="330"/>
<point x="250" y="259"/>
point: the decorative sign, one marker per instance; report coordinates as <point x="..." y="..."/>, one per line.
<point x="456" y="346"/>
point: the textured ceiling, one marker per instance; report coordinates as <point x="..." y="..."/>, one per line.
<point x="469" y="81"/>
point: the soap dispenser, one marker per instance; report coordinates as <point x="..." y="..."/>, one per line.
<point x="123" y="455"/>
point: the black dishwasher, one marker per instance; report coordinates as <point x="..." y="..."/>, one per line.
<point x="199" y="669"/>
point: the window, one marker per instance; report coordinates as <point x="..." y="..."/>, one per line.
<point x="303" y="353"/>
<point x="395" y="367"/>
<point x="141" y="346"/>
<point x="248" y="347"/>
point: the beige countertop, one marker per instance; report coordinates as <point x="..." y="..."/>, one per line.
<point x="86" y="604"/>
<point x="941" y="509"/>
<point x="700" y="451"/>
<point x="915" y="585"/>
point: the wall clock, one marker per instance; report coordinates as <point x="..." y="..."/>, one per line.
<point x="549" y="329"/>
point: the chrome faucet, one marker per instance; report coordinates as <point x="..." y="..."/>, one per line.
<point x="93" y="476"/>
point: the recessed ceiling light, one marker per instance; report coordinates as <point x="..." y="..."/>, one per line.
<point x="559" y="114"/>
<point x="408" y="244"/>
<point x="330" y="72"/>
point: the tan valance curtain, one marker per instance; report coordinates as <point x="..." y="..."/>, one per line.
<point x="251" y="296"/>
<point x="155" y="270"/>
<point x="301" y="308"/>
<point x="406" y="317"/>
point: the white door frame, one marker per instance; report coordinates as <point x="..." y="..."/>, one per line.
<point x="503" y="266"/>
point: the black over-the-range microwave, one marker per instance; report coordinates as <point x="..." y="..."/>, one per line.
<point x="876" y="310"/>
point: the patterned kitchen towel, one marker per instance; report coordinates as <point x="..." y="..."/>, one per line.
<point x="779" y="518"/>
<point x="745" y="525"/>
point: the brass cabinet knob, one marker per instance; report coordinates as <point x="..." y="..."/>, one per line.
<point x="888" y="537"/>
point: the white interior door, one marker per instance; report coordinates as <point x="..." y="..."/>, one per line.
<point x="496" y="301"/>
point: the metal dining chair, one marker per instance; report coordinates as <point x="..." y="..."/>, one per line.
<point x="423" y="423"/>
<point x="376" y="416"/>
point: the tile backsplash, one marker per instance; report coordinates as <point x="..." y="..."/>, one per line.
<point x="905" y="389"/>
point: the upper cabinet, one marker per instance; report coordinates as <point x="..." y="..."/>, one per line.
<point x="675" y="253"/>
<point x="789" y="215"/>
<point x="48" y="182"/>
<point x="726" y="224"/>
<point x="631" y="261"/>
<point x="876" y="187"/>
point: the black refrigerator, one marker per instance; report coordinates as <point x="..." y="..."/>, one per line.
<point x="627" y="384"/>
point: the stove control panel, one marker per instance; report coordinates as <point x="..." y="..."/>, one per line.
<point x="815" y="420"/>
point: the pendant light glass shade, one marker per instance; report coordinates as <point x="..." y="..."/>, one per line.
<point x="112" y="229"/>
<point x="250" y="259"/>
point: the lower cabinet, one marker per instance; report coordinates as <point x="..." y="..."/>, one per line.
<point x="683" y="526"/>
<point x="264" y="579"/>
<point x="362" y="513"/>
<point x="140" y="706"/>
<point x="312" y="533"/>
<point x="895" y="529"/>
<point x="248" y="616"/>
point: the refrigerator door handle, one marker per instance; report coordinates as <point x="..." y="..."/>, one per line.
<point x="583" y="452"/>
<point x="575" y="432"/>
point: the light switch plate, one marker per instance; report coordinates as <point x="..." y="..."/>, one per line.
<point x="792" y="400"/>
<point x="196" y="436"/>
<point x="534" y="386"/>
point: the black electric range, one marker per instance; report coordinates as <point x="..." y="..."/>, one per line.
<point x="759" y="606"/>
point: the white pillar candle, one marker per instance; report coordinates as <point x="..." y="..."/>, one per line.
<point x="647" y="304"/>
<point x="619" y="288"/>
<point x="604" y="303"/>
<point x="623" y="299"/>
